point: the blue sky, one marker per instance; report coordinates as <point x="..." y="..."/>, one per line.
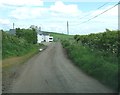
<point x="53" y="15"/>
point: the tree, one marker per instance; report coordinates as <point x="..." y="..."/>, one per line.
<point x="77" y="38"/>
<point x="29" y="35"/>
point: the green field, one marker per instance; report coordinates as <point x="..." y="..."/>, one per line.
<point x="59" y="36"/>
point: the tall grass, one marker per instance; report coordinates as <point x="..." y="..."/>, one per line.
<point x="15" y="51"/>
<point x="94" y="63"/>
<point x="13" y="46"/>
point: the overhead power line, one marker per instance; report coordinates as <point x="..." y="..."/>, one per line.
<point x="102" y="5"/>
<point x="96" y="9"/>
<point x="101" y="13"/>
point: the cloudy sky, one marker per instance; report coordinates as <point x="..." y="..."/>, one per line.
<point x="52" y="15"/>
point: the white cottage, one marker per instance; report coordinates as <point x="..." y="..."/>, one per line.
<point x="41" y="36"/>
<point x="44" y="38"/>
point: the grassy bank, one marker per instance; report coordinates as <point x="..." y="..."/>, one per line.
<point x="94" y="63"/>
<point x="13" y="46"/>
<point x="15" y="51"/>
<point x="12" y="66"/>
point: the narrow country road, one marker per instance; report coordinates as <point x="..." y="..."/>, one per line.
<point x="51" y="72"/>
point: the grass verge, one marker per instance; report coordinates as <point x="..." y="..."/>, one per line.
<point x="12" y="66"/>
<point x="94" y="63"/>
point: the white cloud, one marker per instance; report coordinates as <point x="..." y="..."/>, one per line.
<point x="22" y="2"/>
<point x="62" y="8"/>
<point x="4" y="21"/>
<point x="54" y="18"/>
<point x="58" y="23"/>
<point x="27" y="13"/>
<point x="59" y="9"/>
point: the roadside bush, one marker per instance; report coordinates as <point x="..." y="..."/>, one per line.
<point x="65" y="43"/>
<point x="94" y="63"/>
<point x="13" y="46"/>
<point x="29" y="35"/>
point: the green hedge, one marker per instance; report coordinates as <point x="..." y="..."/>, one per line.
<point x="14" y="46"/>
<point x="94" y="63"/>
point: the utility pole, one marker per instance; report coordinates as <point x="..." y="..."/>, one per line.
<point x="13" y="25"/>
<point x="67" y="28"/>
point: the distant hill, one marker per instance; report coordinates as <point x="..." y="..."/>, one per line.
<point x="59" y="36"/>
